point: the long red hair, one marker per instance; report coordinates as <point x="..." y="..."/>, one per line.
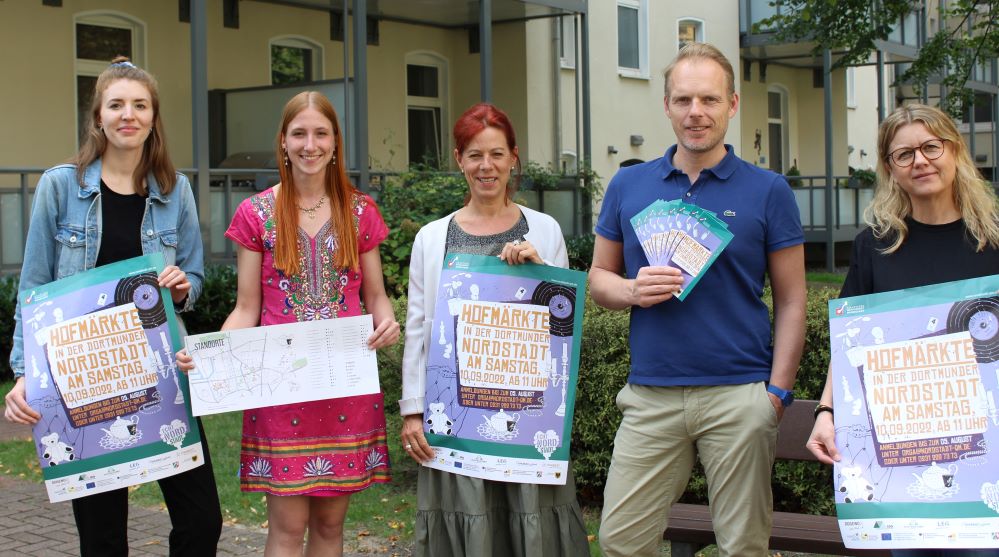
<point x="473" y="121"/>
<point x="338" y="189"/>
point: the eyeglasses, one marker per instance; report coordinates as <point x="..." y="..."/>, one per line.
<point x="931" y="150"/>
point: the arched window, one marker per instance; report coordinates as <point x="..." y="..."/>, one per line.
<point x="295" y="59"/>
<point x="689" y="30"/>
<point x="426" y="108"/>
<point x="98" y="38"/>
<point x="777" y="127"/>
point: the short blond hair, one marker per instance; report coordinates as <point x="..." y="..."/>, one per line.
<point x="702" y="51"/>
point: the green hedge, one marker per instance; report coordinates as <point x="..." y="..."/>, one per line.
<point x="217" y="300"/>
<point x="798" y="486"/>
<point x="407" y="203"/>
<point x="8" y="301"/>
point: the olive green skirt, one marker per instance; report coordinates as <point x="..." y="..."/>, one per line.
<point x="459" y="516"/>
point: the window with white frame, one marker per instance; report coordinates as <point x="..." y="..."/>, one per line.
<point x="567" y="41"/>
<point x="851" y="87"/>
<point x="99" y="37"/>
<point x="633" y="38"/>
<point x="567" y="162"/>
<point x="426" y="100"/>
<point x="689" y="30"/>
<point x="777" y="127"/>
<point x="295" y="60"/>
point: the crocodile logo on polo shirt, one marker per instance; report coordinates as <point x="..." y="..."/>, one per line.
<point x="729" y="213"/>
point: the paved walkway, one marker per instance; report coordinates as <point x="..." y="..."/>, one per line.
<point x="52" y="533"/>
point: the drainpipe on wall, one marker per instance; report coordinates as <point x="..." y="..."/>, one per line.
<point x="557" y="89"/>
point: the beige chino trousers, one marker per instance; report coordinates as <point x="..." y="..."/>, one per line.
<point x="732" y="429"/>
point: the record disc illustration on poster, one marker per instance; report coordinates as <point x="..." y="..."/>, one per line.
<point x="100" y="367"/>
<point x="915" y="377"/>
<point x="501" y="369"/>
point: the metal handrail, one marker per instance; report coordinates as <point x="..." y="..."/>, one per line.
<point x="813" y="185"/>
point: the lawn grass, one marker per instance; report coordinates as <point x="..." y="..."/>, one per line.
<point x="384" y="510"/>
<point x="825" y="278"/>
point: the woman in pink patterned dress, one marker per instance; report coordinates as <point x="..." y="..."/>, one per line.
<point x="308" y="249"/>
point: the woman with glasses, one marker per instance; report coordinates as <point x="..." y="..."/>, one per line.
<point x="933" y="219"/>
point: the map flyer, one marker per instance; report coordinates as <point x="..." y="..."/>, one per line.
<point x="501" y="369"/>
<point x="100" y="368"/>
<point x="282" y="364"/>
<point x="915" y="377"/>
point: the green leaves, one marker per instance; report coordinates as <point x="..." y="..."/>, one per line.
<point x="8" y="301"/>
<point x="949" y="57"/>
<point x="407" y="202"/>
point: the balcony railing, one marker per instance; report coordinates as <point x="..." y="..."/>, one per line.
<point x="229" y="187"/>
<point x="906" y="30"/>
<point x="848" y="206"/>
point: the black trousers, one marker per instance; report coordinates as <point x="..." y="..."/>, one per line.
<point x="191" y="499"/>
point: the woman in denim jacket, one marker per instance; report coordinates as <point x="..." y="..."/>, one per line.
<point x="121" y="198"/>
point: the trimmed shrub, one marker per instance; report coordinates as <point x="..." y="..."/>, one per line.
<point x="218" y="298"/>
<point x="406" y="204"/>
<point x="8" y="303"/>
<point x="580" y="251"/>
<point x="604" y="364"/>
<point x="390" y="362"/>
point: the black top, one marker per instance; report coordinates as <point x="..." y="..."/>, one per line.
<point x="931" y="254"/>
<point x="121" y="221"/>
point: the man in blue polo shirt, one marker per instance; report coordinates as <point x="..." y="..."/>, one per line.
<point x="706" y="381"/>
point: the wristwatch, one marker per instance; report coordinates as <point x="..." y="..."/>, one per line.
<point x="786" y="397"/>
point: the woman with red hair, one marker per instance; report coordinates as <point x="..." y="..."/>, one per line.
<point x="307" y="250"/>
<point x="459" y="515"/>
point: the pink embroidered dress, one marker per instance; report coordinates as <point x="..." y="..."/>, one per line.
<point x="327" y="447"/>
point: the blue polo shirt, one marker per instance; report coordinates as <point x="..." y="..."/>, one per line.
<point x="720" y="334"/>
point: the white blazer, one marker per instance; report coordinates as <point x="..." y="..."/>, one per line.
<point x="425" y="272"/>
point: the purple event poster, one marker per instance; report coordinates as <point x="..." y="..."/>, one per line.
<point x="915" y="378"/>
<point x="502" y="363"/>
<point x="99" y="366"/>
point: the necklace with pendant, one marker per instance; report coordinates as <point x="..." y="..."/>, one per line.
<point x="311" y="211"/>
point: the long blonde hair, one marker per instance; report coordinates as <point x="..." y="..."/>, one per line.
<point x="338" y="187"/>
<point x="155" y="158"/>
<point x="973" y="196"/>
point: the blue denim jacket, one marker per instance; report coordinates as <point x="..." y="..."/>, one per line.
<point x="64" y="234"/>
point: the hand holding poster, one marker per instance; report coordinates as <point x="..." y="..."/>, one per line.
<point x="99" y="353"/>
<point x="501" y="369"/>
<point x="915" y="377"/>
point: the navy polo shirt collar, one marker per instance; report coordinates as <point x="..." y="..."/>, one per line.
<point x="723" y="170"/>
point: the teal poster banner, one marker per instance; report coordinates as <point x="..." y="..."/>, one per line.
<point x="915" y="378"/>
<point x="502" y="365"/>
<point x="99" y="366"/>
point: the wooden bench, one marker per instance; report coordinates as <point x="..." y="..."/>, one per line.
<point x="689" y="528"/>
